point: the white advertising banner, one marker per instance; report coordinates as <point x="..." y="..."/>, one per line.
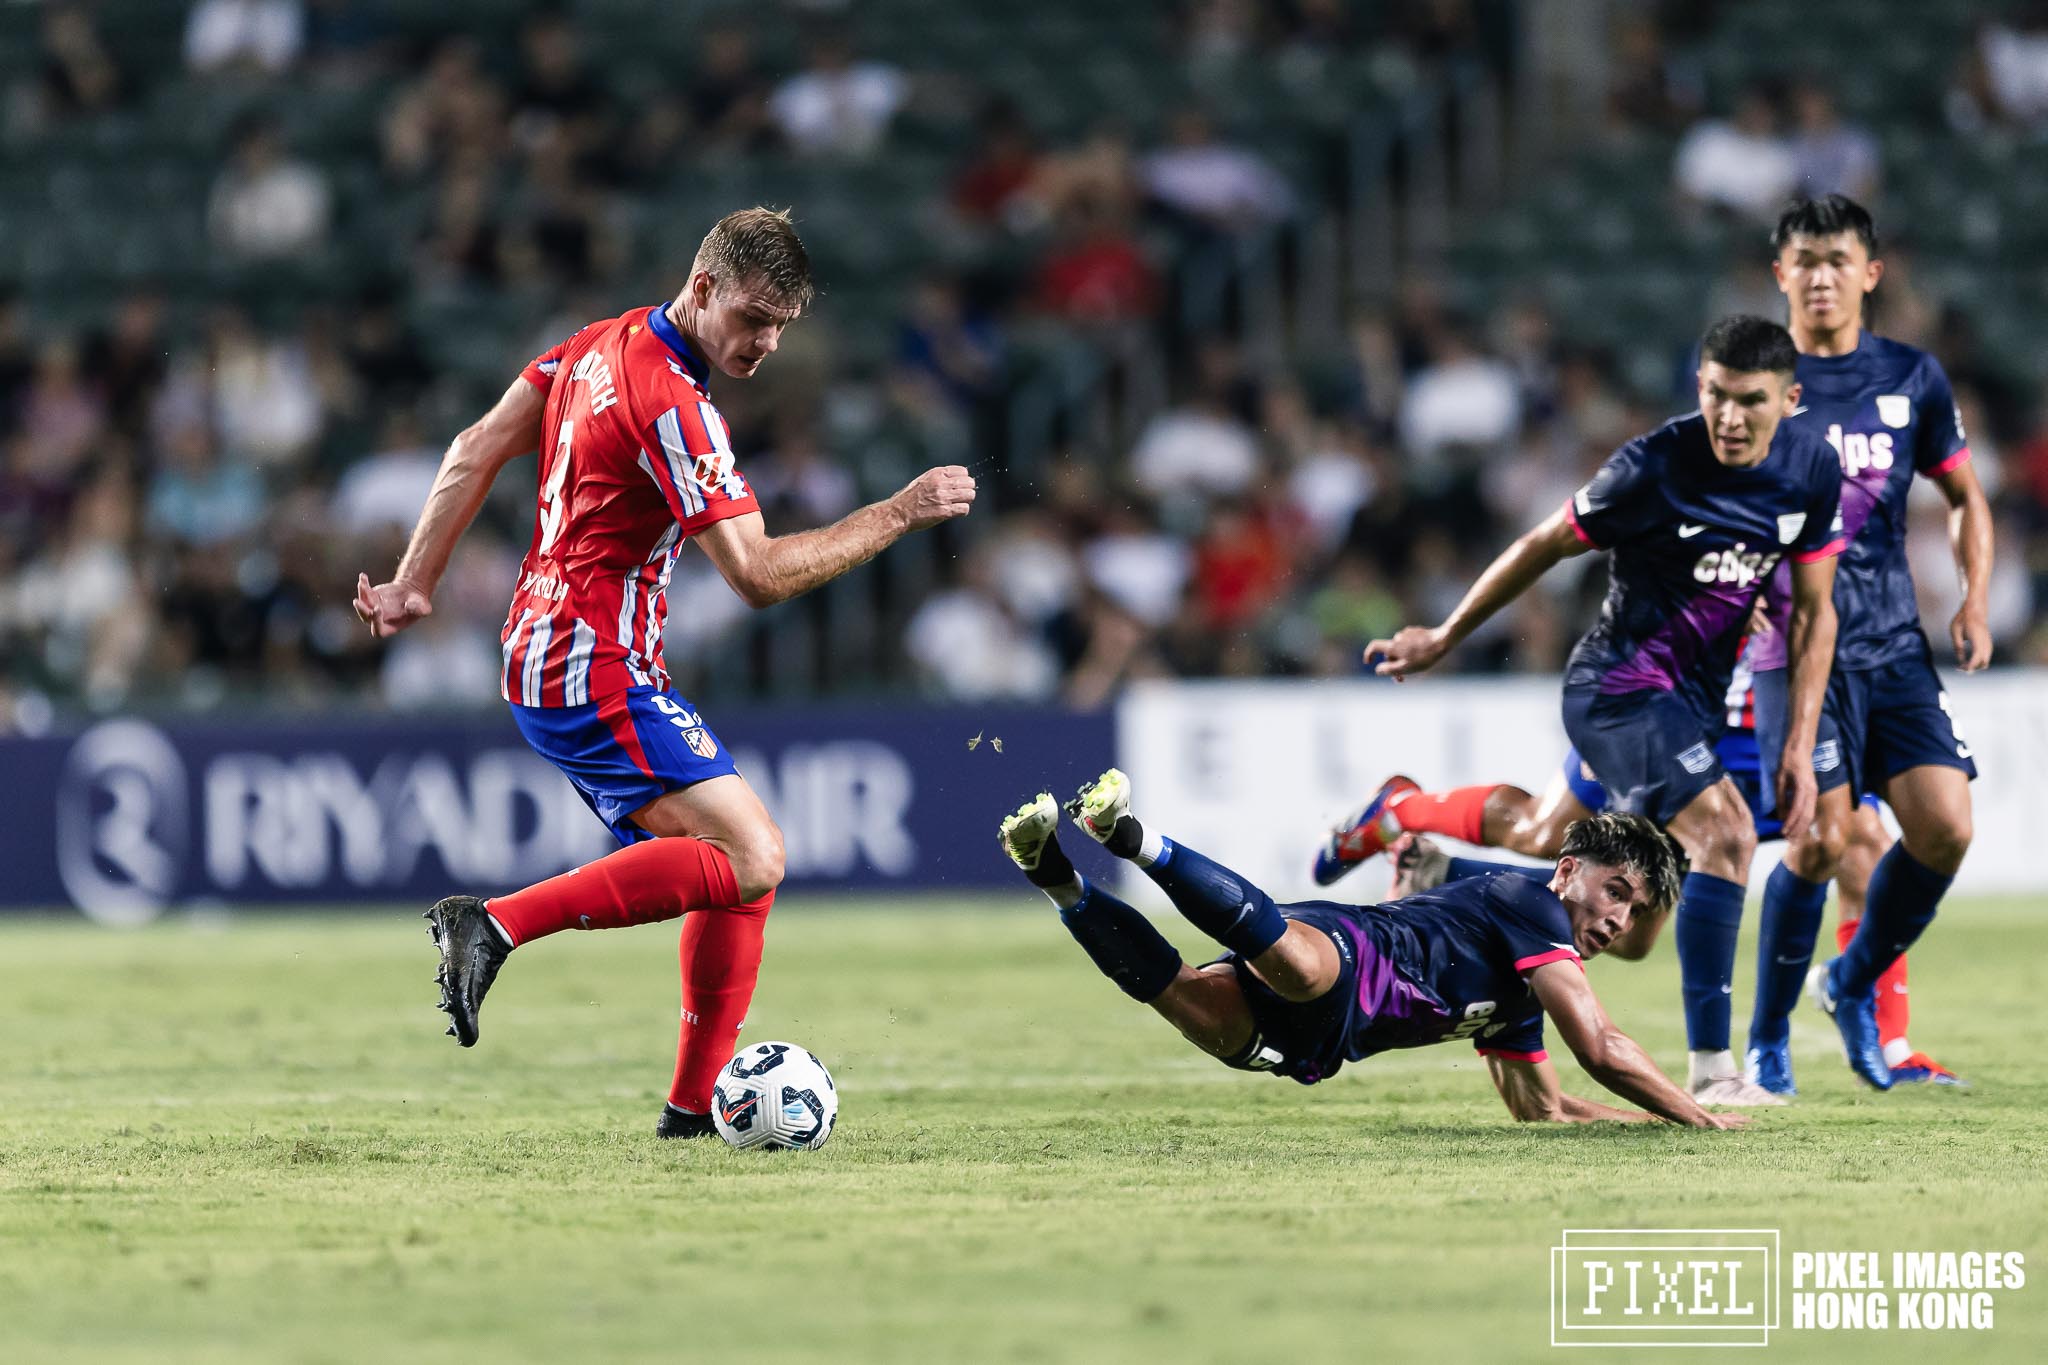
<point x="1252" y="773"/>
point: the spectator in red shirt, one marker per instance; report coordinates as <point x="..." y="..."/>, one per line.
<point x="1097" y="272"/>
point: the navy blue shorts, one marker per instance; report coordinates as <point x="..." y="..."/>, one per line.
<point x="1741" y="758"/>
<point x="1892" y="718"/>
<point x="1653" y="753"/>
<point x="1303" y="1041"/>
<point x="1737" y="751"/>
<point x="625" y="750"/>
<point x="1773" y="691"/>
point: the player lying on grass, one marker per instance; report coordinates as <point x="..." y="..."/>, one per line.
<point x="1306" y="988"/>
<point x="1502" y="815"/>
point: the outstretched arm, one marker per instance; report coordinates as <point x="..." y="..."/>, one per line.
<point x="1610" y="1056"/>
<point x="765" y="569"/>
<point x="1969" y="535"/>
<point x="1810" y="652"/>
<point x="510" y="429"/>
<point x="1416" y="648"/>
<point x="1532" y="1095"/>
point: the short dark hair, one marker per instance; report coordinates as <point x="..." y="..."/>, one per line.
<point x="1748" y="344"/>
<point x="1824" y="217"/>
<point x="759" y="245"/>
<point x="1633" y="844"/>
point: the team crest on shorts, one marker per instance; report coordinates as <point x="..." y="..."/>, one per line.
<point x="701" y="743"/>
<point x="1697" y="759"/>
<point x="1789" y="527"/>
<point x="1894" y="409"/>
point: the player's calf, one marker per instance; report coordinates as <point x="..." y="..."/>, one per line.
<point x="1121" y="942"/>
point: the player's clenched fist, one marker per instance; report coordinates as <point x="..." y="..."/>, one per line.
<point x="936" y="495"/>
<point x="388" y="608"/>
<point x="1412" y="650"/>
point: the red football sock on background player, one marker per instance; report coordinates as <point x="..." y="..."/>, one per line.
<point x="1459" y="814"/>
<point x="721" y="959"/>
<point x="642" y="883"/>
<point x="1893" y="1007"/>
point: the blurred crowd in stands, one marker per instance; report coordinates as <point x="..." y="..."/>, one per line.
<point x="185" y="501"/>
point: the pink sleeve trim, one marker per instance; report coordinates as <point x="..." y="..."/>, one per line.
<point x="1530" y="964"/>
<point x="1571" y="517"/>
<point x="1960" y="457"/>
<point x="1827" y="551"/>
<point x="1538" y="1056"/>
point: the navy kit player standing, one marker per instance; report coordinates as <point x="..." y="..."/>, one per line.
<point x="1306" y="988"/>
<point x="1887" y="409"/>
<point x="1699" y="513"/>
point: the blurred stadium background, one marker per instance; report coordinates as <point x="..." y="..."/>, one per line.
<point x="1263" y="324"/>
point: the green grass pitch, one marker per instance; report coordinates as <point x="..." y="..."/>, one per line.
<point x="250" y="1142"/>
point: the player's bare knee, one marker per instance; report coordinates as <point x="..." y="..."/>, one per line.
<point x="1941" y="844"/>
<point x="1741" y="837"/>
<point x="758" y="861"/>
<point x="1533" y="839"/>
<point x="1816" y="856"/>
<point x="1723" y="845"/>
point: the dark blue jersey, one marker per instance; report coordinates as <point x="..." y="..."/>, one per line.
<point x="1887" y="410"/>
<point x="1693" y="541"/>
<point x="1442" y="965"/>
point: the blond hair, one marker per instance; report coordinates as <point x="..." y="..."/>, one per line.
<point x="758" y="245"/>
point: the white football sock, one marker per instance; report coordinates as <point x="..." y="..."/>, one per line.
<point x="1896" y="1052"/>
<point x="1150" y="846"/>
<point x="1068" y="896"/>
<point x="1704" y="1066"/>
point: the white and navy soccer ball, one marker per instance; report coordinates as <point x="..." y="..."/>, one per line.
<point x="775" y="1096"/>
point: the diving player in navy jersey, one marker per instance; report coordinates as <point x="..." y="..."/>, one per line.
<point x="1886" y="726"/>
<point x="1699" y="513"/>
<point x="1306" y="988"/>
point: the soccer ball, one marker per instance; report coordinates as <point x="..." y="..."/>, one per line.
<point x="775" y="1096"/>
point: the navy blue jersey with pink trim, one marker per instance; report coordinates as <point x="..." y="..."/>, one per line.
<point x="1888" y="412"/>
<point x="1447" y="964"/>
<point x="1693" y="541"/>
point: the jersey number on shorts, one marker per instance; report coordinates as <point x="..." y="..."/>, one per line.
<point x="1962" y="745"/>
<point x="551" y="510"/>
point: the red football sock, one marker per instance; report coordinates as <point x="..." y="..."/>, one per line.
<point x="1460" y="814"/>
<point x="721" y="957"/>
<point x="656" y="879"/>
<point x="1892" y="1006"/>
<point x="1892" y="1002"/>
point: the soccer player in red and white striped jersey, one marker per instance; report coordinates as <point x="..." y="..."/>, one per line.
<point x="635" y="460"/>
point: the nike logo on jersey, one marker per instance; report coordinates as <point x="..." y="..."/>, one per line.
<point x="1688" y="532"/>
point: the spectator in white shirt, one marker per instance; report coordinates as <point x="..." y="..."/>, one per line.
<point x="837" y="106"/>
<point x="1216" y="184"/>
<point x="265" y="206"/>
<point x="1740" y="164"/>
<point x="264" y="35"/>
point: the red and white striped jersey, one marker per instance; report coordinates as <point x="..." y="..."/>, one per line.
<point x="634" y="460"/>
